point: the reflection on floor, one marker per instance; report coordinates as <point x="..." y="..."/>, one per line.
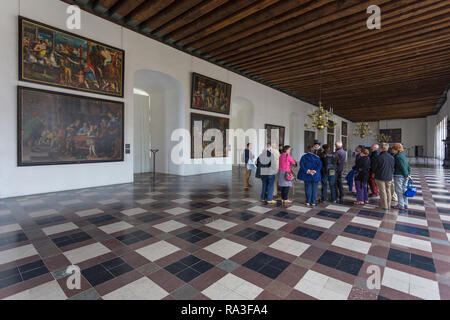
<point x="204" y="237"/>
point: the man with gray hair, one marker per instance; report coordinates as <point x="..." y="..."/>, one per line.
<point x="342" y="156"/>
<point x="384" y="173"/>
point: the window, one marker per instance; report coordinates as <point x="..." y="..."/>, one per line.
<point x="441" y="134"/>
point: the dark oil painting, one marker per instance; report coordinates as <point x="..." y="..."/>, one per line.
<point x="344" y="128"/>
<point x="310" y="136"/>
<point x="281" y="133"/>
<point x="210" y="94"/>
<point x="209" y="122"/>
<point x="57" y="58"/>
<point x="57" y="128"/>
<point x="395" y="134"/>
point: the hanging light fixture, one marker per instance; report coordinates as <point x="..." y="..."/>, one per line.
<point x="321" y="118"/>
<point x="362" y="130"/>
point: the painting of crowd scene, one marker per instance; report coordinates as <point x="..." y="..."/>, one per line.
<point x="208" y="122"/>
<point x="54" y="57"/>
<point x="56" y="128"/>
<point x="210" y="95"/>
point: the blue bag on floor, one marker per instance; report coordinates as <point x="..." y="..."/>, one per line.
<point x="410" y="191"/>
<point x="349" y="179"/>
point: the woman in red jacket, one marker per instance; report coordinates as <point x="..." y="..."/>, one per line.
<point x="285" y="175"/>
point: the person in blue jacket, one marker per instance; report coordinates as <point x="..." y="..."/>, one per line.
<point x="310" y="167"/>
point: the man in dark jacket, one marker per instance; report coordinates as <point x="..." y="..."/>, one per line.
<point x="342" y="155"/>
<point x="373" y="156"/>
<point x="330" y="163"/>
<point x="384" y="173"/>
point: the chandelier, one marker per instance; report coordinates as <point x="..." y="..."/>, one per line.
<point x="362" y="130"/>
<point x="321" y="118"/>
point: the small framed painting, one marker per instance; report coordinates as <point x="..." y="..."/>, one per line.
<point x="281" y="133"/>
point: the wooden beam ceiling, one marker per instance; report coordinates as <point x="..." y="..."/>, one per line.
<point x="299" y="46"/>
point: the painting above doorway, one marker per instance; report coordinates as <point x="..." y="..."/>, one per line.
<point x="210" y="95"/>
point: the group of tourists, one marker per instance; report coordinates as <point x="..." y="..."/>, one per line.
<point x="383" y="170"/>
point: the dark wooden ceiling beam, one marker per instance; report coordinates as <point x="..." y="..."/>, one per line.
<point x="394" y="47"/>
<point x="123" y="8"/>
<point x="246" y="12"/>
<point x="349" y="28"/>
<point x="355" y="88"/>
<point x="398" y="71"/>
<point x="145" y="11"/>
<point x="309" y="21"/>
<point x="355" y="84"/>
<point x="397" y="29"/>
<point x="313" y="71"/>
<point x="168" y="14"/>
<point x="229" y="9"/>
<point x="194" y="14"/>
<point x="267" y="18"/>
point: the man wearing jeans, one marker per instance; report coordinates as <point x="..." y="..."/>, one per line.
<point x="267" y="173"/>
<point x="341" y="154"/>
<point x="384" y="172"/>
<point x="402" y="174"/>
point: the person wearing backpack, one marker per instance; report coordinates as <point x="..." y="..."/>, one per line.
<point x="285" y="175"/>
<point x="266" y="170"/>
<point x="330" y="163"/>
<point x="362" y="168"/>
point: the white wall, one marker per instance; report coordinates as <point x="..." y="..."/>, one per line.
<point x="414" y="132"/>
<point x="142" y="53"/>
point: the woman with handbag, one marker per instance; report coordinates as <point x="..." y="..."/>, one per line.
<point x="285" y="174"/>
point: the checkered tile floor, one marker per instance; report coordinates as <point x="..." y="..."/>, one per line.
<point x="205" y="237"/>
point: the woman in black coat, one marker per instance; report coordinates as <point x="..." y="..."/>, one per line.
<point x="362" y="169"/>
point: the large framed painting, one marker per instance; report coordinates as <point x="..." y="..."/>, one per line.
<point x="395" y="134"/>
<point x="200" y="123"/>
<point x="344" y="143"/>
<point x="330" y="140"/>
<point x="210" y="95"/>
<point x="344" y="128"/>
<point x="310" y="136"/>
<point x="54" y="57"/>
<point x="281" y="132"/>
<point x="330" y="127"/>
<point x="58" y="128"/>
